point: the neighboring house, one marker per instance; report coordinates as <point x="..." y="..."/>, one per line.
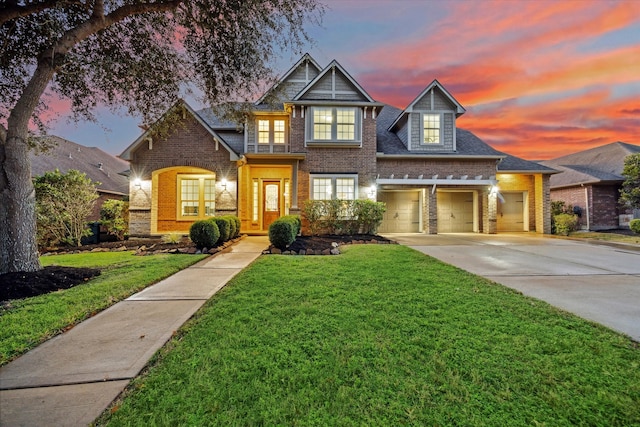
<point x="327" y="138"/>
<point x="93" y="162"/>
<point x="591" y="180"/>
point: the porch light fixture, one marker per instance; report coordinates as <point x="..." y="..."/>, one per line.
<point x="223" y="184"/>
<point x="493" y="189"/>
<point x="372" y="191"/>
<point x="137" y="183"/>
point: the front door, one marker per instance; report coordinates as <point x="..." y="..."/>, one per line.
<point x="271" y="206"/>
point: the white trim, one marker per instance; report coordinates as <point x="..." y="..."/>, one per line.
<point x="333" y="178"/>
<point x="332" y="66"/>
<point x="421" y="142"/>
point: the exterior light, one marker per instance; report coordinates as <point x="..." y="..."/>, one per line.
<point x="137" y="182"/>
<point x="223" y="183"/>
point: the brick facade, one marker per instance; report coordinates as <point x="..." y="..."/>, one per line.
<point x="598" y="204"/>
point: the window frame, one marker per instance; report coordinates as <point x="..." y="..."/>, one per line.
<point x="272" y="130"/>
<point x="334" y="126"/>
<point x="423" y="128"/>
<point x="202" y="200"/>
<point x="333" y="180"/>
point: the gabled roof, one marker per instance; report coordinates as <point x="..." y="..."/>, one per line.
<point x="468" y="145"/>
<point x="97" y="165"/>
<point x="126" y="154"/>
<point x="460" y="110"/>
<point x="598" y="165"/>
<point x="334" y="65"/>
<point x="305" y="58"/>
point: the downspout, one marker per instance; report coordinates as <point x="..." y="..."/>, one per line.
<point x="586" y="206"/>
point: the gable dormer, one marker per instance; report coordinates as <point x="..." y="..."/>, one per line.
<point x="294" y="80"/>
<point x="334" y="106"/>
<point x="428" y="124"/>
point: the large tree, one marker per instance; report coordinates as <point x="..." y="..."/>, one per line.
<point x="630" y="191"/>
<point x="140" y="54"/>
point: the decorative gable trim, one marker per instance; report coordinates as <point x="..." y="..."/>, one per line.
<point x="306" y="60"/>
<point x="330" y="71"/>
<point x="429" y="90"/>
<point x="146" y="136"/>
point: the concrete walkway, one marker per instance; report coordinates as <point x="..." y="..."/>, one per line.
<point x="598" y="282"/>
<point x="72" y="378"/>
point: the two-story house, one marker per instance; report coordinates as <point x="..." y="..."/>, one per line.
<point x="325" y="137"/>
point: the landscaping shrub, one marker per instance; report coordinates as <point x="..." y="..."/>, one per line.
<point x="171" y="238"/>
<point x="204" y="234"/>
<point x="224" y="227"/>
<point x="234" y="223"/>
<point x="634" y="225"/>
<point x="63" y="203"/>
<point x="283" y="231"/>
<point x="369" y="215"/>
<point x="114" y="216"/>
<point x="238" y="225"/>
<point x="343" y="216"/>
<point x="565" y="223"/>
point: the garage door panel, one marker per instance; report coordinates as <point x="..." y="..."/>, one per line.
<point x="402" y="214"/>
<point x="455" y="212"/>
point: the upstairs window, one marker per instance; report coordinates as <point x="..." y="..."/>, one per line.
<point x="334" y="124"/>
<point x="431" y="129"/>
<point x="271" y="131"/>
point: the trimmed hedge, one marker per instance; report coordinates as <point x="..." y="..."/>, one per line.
<point x="360" y="216"/>
<point x="283" y="231"/>
<point x="634" y="225"/>
<point x="204" y="234"/>
<point x="224" y="225"/>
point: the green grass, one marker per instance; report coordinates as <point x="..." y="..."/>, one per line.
<point x="28" y="322"/>
<point x="382" y="335"/>
<point x="606" y="237"/>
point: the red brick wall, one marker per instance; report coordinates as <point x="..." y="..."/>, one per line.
<point x="600" y="201"/>
<point x="360" y="160"/>
<point x="189" y="144"/>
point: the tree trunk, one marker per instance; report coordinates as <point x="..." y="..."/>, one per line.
<point x="18" y="245"/>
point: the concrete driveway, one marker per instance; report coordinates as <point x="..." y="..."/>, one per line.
<point x="595" y="281"/>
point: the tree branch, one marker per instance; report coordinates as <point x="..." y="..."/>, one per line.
<point x="12" y="10"/>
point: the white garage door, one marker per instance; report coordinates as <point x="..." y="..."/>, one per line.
<point x="403" y="212"/>
<point x="511" y="212"/>
<point x="455" y="212"/>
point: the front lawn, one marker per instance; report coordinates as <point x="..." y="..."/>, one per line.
<point x="382" y="335"/>
<point x="28" y="322"/>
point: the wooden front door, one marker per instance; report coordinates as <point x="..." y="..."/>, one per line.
<point x="271" y="202"/>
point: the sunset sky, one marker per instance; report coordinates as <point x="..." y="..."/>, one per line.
<point x="539" y="79"/>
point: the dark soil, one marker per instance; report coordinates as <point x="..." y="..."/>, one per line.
<point x="320" y="243"/>
<point x="53" y="278"/>
<point x="49" y="279"/>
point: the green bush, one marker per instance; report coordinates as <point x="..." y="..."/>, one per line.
<point x="234" y="224"/>
<point x="369" y="215"/>
<point x="204" y="234"/>
<point x="224" y="227"/>
<point x="565" y="223"/>
<point x="283" y="231"/>
<point x="634" y="225"/>
<point x="343" y="216"/>
<point x="114" y="216"/>
<point x="238" y="225"/>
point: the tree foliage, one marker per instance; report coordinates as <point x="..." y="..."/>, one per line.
<point x="630" y="191"/>
<point x="63" y="203"/>
<point x="114" y="216"/>
<point x="138" y="54"/>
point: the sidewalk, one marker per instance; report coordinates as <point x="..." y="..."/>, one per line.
<point x="70" y="379"/>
